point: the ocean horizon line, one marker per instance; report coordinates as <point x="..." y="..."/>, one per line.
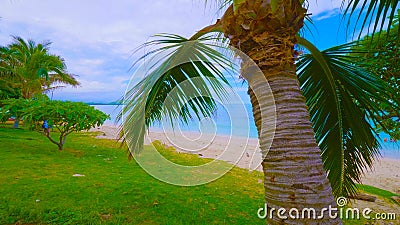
<point x="388" y="149"/>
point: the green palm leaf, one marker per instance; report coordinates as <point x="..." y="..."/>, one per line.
<point x="343" y="100"/>
<point x="371" y="13"/>
<point x="177" y="61"/>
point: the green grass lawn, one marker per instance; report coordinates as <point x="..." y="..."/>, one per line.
<point x="387" y="195"/>
<point x="37" y="186"/>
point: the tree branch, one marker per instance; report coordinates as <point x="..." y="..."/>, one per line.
<point x="58" y="128"/>
<point x="51" y="139"/>
<point x="67" y="133"/>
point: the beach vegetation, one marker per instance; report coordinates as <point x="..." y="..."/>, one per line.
<point x="28" y="68"/>
<point x="54" y="119"/>
<point x="380" y="54"/>
<point x="387" y="195"/>
<point x="39" y="187"/>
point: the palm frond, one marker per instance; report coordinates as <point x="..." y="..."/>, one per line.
<point x="182" y="72"/>
<point x="371" y="13"/>
<point x="32" y="64"/>
<point x="343" y="100"/>
<point x="220" y="4"/>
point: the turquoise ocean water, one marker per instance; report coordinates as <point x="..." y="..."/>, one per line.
<point x="236" y="124"/>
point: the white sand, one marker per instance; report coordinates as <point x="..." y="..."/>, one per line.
<point x="385" y="174"/>
<point x="243" y="152"/>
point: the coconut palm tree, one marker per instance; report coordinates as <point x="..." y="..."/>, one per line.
<point x="34" y="68"/>
<point x="322" y="110"/>
<point x="31" y="69"/>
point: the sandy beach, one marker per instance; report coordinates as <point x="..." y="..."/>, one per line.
<point x="246" y="154"/>
<point x="243" y="152"/>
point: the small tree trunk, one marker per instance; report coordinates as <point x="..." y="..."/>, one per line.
<point x="59" y="144"/>
<point x="62" y="141"/>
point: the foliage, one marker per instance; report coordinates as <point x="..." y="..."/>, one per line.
<point x="12" y="108"/>
<point x="7" y="89"/>
<point x="371" y="14"/>
<point x="381" y="56"/>
<point x="30" y="68"/>
<point x="197" y="61"/>
<point x="65" y="117"/>
<point x="342" y="99"/>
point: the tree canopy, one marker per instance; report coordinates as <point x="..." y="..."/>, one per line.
<point x="28" y="68"/>
<point x="380" y="55"/>
<point x="64" y="117"/>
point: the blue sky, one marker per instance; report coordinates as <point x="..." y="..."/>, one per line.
<point x="97" y="37"/>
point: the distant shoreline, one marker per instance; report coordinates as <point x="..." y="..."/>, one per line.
<point x="96" y="103"/>
<point x="388" y="149"/>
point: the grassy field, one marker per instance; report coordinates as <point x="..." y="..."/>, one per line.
<point x="37" y="186"/>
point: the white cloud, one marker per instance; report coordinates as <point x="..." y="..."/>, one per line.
<point x="127" y="23"/>
<point x="96" y="37"/>
<point x="87" y="67"/>
<point x="88" y="86"/>
<point x="92" y="62"/>
<point x="322" y="9"/>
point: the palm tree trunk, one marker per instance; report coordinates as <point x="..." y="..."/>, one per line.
<point x="293" y="171"/>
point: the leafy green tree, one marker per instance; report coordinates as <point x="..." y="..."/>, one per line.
<point x="30" y="68"/>
<point x="63" y="117"/>
<point x="7" y="86"/>
<point x="6" y="89"/>
<point x="331" y="116"/>
<point x="380" y="54"/>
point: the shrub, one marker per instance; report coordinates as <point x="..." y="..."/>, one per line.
<point x="64" y="116"/>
